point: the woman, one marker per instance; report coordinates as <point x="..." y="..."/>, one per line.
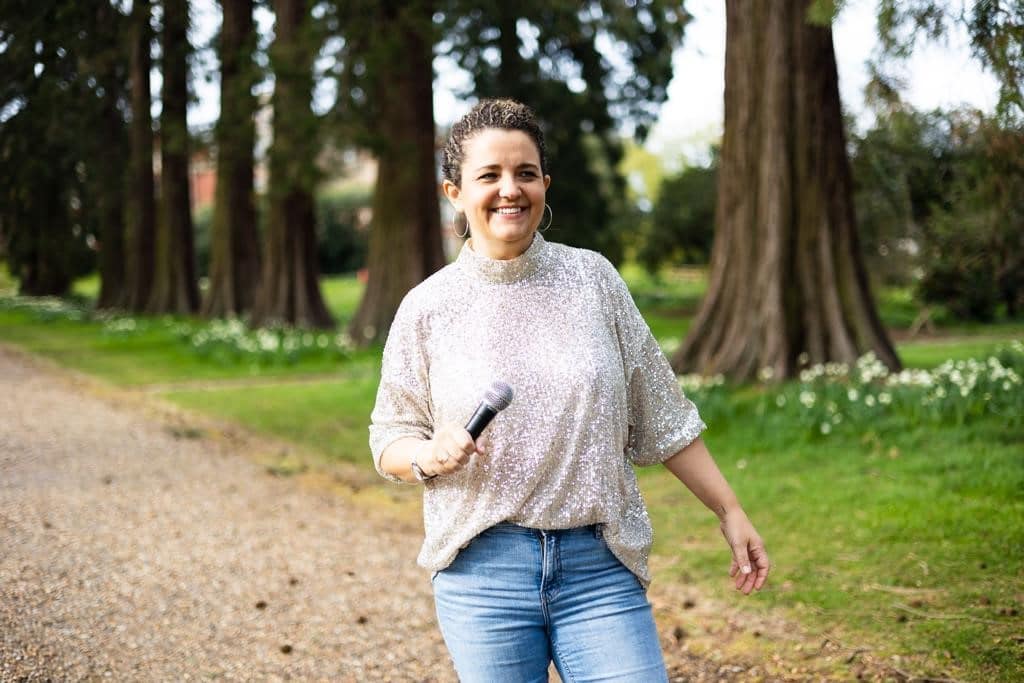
<point x="536" y="533"/>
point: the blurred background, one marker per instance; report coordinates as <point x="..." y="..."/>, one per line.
<point x="818" y="207"/>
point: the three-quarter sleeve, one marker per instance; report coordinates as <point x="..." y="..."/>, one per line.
<point x="662" y="421"/>
<point x="402" y="408"/>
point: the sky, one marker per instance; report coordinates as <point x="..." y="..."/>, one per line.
<point x="937" y="75"/>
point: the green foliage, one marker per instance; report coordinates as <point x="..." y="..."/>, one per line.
<point x="824" y="12"/>
<point x="996" y="31"/>
<point x="60" y="81"/>
<point x="975" y="247"/>
<point x="938" y="203"/>
<point x="681" y="227"/>
<point x="202" y="231"/>
<point x="342" y="239"/>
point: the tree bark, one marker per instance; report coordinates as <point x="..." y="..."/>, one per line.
<point x="108" y="153"/>
<point x="290" y="290"/>
<point x="141" y="211"/>
<point x="42" y="251"/>
<point x="234" y="248"/>
<point x="405" y="235"/>
<point x="787" y="284"/>
<point x="111" y="205"/>
<point x="174" y="285"/>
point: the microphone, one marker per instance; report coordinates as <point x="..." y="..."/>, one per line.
<point x="496" y="399"/>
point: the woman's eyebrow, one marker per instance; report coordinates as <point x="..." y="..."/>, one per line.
<point x="527" y="164"/>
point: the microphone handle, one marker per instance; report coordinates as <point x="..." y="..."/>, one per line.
<point x="481" y="418"/>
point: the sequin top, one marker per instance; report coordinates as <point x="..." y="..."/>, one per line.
<point x="594" y="395"/>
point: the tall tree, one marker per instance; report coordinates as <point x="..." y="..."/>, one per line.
<point x="234" y="243"/>
<point x="47" y="104"/>
<point x="174" y="284"/>
<point x="108" y="63"/>
<point x="787" y="283"/>
<point x="398" y="126"/>
<point x="290" y="291"/>
<point x="140" y="232"/>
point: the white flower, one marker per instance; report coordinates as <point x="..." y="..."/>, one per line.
<point x="780" y="400"/>
<point x="869" y="400"/>
<point x="268" y="341"/>
<point x="807" y="398"/>
<point x="825" y="427"/>
<point x="853" y="395"/>
<point x="885" y="398"/>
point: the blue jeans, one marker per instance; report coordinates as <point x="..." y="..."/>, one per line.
<point x="515" y="599"/>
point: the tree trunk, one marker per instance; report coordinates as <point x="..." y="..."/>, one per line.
<point x="234" y="245"/>
<point x="107" y="158"/>
<point x="290" y="290"/>
<point x="405" y="235"/>
<point x="42" y="251"/>
<point x="110" y="203"/>
<point x="174" y="286"/>
<point x="141" y="229"/>
<point x="787" y="284"/>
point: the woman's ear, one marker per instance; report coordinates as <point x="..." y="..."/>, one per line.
<point x="547" y="182"/>
<point x="452" y="192"/>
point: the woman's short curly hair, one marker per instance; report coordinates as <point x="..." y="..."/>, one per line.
<point x="506" y="114"/>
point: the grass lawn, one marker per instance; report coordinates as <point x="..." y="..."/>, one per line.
<point x="899" y="537"/>
<point x="895" y="539"/>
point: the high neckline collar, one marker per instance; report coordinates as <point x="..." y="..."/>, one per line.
<point x="504" y="271"/>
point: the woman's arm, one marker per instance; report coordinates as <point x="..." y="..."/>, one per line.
<point x="449" y="450"/>
<point x="695" y="467"/>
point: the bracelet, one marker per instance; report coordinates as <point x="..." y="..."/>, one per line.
<point x="417" y="471"/>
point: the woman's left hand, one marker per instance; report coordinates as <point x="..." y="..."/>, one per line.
<point x="750" y="563"/>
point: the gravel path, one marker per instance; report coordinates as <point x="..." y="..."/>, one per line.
<point x="129" y="551"/>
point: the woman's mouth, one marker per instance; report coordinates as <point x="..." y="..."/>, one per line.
<point x="509" y="210"/>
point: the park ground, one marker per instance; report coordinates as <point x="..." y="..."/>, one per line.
<point x="890" y="543"/>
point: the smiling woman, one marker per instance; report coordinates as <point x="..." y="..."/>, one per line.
<point x="545" y="503"/>
<point x="503" y="195"/>
<point x="495" y="173"/>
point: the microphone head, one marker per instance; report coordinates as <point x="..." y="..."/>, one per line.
<point x="498" y="396"/>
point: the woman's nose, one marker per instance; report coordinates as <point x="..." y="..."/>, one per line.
<point x="509" y="188"/>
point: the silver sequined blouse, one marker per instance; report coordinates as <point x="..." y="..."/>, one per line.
<point x="594" y="395"/>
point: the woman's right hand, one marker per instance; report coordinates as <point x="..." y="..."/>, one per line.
<point x="450" y="450"/>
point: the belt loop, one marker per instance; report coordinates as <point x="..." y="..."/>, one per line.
<point x="598" y="534"/>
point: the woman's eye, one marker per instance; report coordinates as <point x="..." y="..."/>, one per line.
<point x="528" y="174"/>
<point x="488" y="176"/>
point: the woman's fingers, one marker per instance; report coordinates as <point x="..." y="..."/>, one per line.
<point x="763" y="565"/>
<point x="758" y="566"/>
<point x="453" y="448"/>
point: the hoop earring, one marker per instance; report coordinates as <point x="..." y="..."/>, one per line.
<point x="455" y="226"/>
<point x="551" y="217"/>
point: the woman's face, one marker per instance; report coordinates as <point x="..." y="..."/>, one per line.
<point x="502" y="191"/>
